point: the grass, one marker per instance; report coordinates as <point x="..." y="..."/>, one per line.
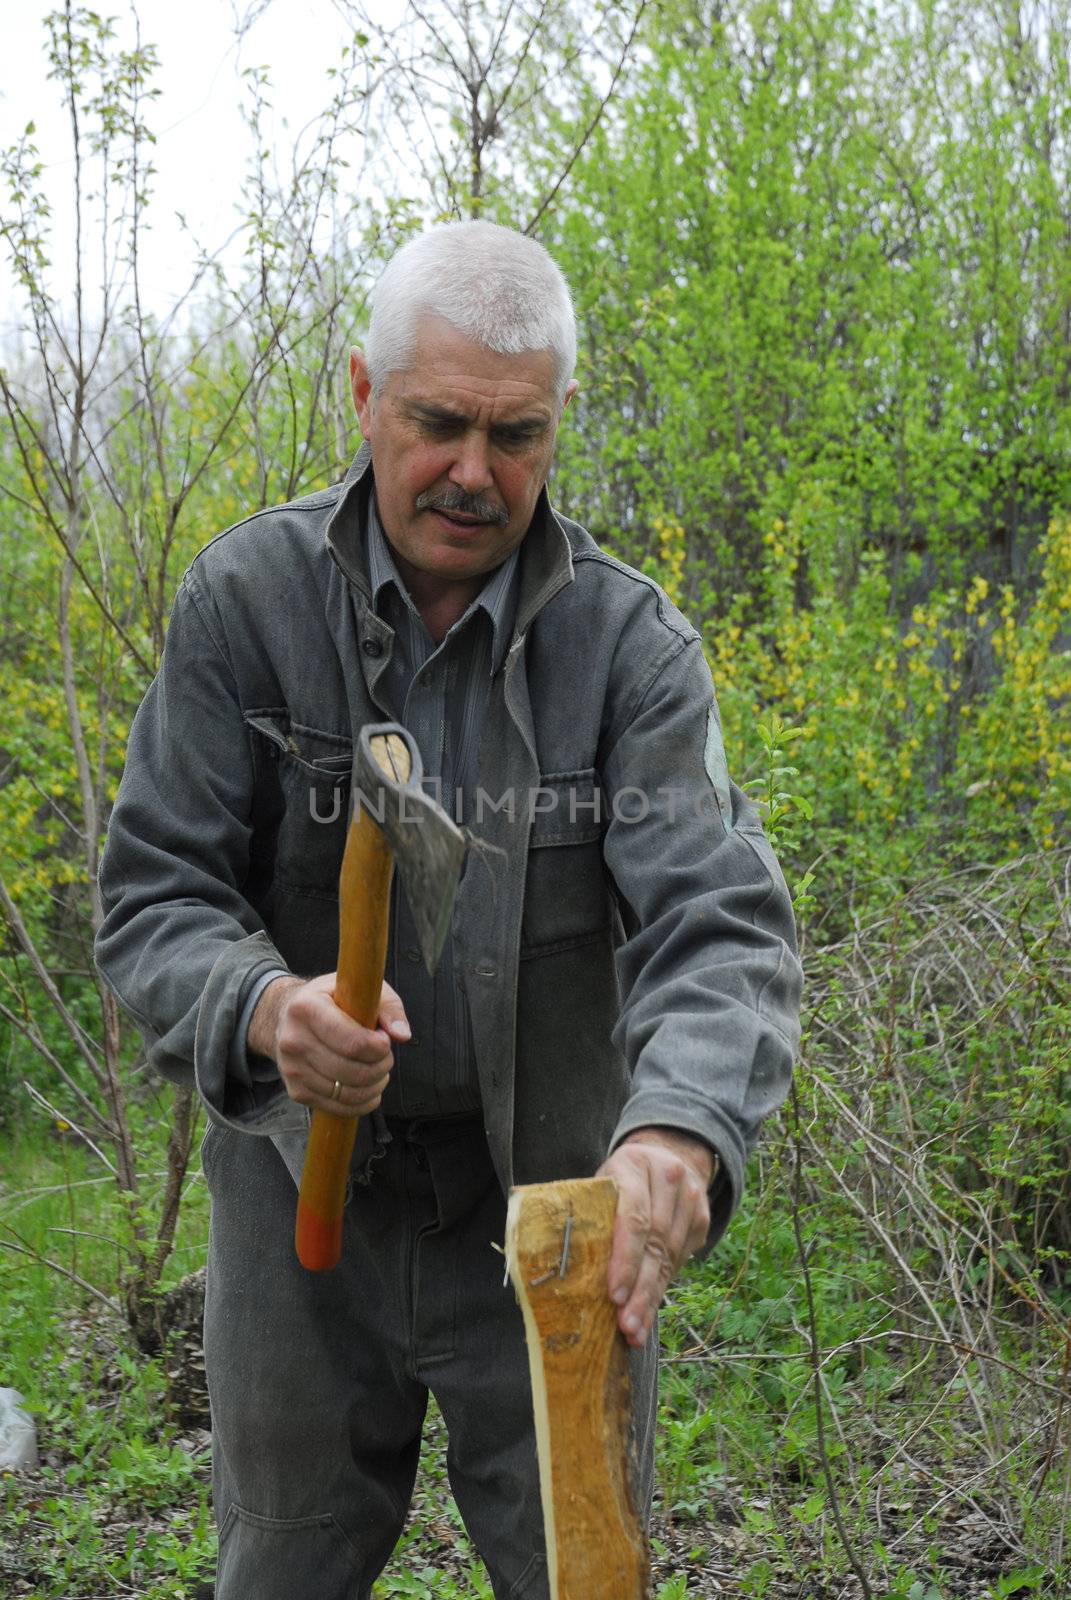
<point x="864" y="1390"/>
<point x="121" y="1502"/>
<point x="118" y="1505"/>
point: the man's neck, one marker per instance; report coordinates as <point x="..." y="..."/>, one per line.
<point x="440" y="601"/>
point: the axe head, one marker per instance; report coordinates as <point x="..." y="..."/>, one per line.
<point x="427" y="845"/>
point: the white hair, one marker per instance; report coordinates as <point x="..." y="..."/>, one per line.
<point x="494" y="285"/>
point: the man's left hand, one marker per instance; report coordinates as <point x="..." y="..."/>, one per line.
<point x="662" y="1217"/>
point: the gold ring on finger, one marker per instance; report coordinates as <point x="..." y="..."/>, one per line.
<point x="336" y="1092"/>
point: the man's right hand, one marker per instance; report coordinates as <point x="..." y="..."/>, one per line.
<point x="316" y="1045"/>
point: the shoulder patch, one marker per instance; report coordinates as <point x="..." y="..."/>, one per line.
<point x="717" y="768"/>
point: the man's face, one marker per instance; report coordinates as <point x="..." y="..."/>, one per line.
<point x="461" y="446"/>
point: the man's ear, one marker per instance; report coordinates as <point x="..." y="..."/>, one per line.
<point x="570" y="389"/>
<point x="361" y="389"/>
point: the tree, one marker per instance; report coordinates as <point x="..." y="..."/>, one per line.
<point x="494" y="101"/>
<point x="129" y="433"/>
<point x="821" y="264"/>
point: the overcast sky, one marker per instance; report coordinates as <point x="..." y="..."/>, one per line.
<point x="202" y="143"/>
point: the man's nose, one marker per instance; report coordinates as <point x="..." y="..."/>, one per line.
<point x="471" y="469"/>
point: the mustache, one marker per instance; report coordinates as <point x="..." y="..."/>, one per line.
<point x="459" y="500"/>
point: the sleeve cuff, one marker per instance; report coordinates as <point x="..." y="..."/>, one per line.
<point x="248" y="1101"/>
<point x="241" y="1066"/>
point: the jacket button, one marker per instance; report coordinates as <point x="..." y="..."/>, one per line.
<point x="372" y="647"/>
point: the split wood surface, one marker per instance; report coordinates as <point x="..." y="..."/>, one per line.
<point x="558" y="1238"/>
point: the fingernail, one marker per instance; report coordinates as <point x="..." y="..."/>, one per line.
<point x="401" y="1030"/>
<point x="619" y="1296"/>
<point x="633" y="1324"/>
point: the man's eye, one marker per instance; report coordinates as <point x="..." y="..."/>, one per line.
<point x="438" y="428"/>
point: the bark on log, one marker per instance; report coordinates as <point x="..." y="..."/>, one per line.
<point x="558" y="1238"/>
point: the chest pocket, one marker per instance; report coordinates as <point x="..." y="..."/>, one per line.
<point x="567" y="895"/>
<point x="301" y="809"/>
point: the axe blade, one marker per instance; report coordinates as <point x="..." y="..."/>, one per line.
<point x="427" y="845"/>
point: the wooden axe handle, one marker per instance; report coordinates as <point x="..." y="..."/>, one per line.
<point x="363" y="914"/>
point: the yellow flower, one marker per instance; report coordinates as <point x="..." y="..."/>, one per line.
<point x="977" y="591"/>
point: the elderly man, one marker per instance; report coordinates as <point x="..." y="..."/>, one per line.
<point x="619" y="991"/>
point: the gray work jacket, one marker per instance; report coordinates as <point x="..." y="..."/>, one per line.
<point x="622" y="930"/>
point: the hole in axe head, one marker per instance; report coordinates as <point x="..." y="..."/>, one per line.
<point x="392" y="755"/>
<point x="427" y="845"/>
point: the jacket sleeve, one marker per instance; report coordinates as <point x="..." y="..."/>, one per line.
<point x="709" y="976"/>
<point x="180" y="946"/>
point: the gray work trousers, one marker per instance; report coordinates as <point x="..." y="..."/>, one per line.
<point x="319" y="1381"/>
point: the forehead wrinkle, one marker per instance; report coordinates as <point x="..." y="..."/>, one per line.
<point x="415" y="407"/>
<point x="430" y="408"/>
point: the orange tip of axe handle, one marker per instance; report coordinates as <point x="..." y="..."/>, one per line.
<point x="317" y="1241"/>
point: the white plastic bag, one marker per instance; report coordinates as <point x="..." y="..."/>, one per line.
<point x="18" y="1436"/>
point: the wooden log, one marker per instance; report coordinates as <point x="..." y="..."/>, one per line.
<point x="558" y="1238"/>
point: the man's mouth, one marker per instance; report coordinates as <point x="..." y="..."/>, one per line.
<point x="456" y="520"/>
<point x="463" y="511"/>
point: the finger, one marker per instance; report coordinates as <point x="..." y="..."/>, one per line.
<point x="699" y="1221"/>
<point x="392" y="1018"/>
<point x="356" y="1076"/>
<point x="315" y="1062"/>
<point x="348" y="1102"/>
<point x="317" y="1009"/>
<point x="310" y="1070"/>
<point x="343" y="1033"/>
<point x="632" y="1224"/>
<point x="301" y="1047"/>
<point x="662" y="1253"/>
<point x="657" y="1260"/>
<point x="314" y="1021"/>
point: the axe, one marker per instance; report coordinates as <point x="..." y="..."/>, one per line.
<point x="393" y="822"/>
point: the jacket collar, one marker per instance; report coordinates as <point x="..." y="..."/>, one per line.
<point x="391" y="598"/>
<point x="546" y="555"/>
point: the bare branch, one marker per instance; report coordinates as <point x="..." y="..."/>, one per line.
<point x="26" y="945"/>
<point x="20" y="1247"/>
<point x="593" y="123"/>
